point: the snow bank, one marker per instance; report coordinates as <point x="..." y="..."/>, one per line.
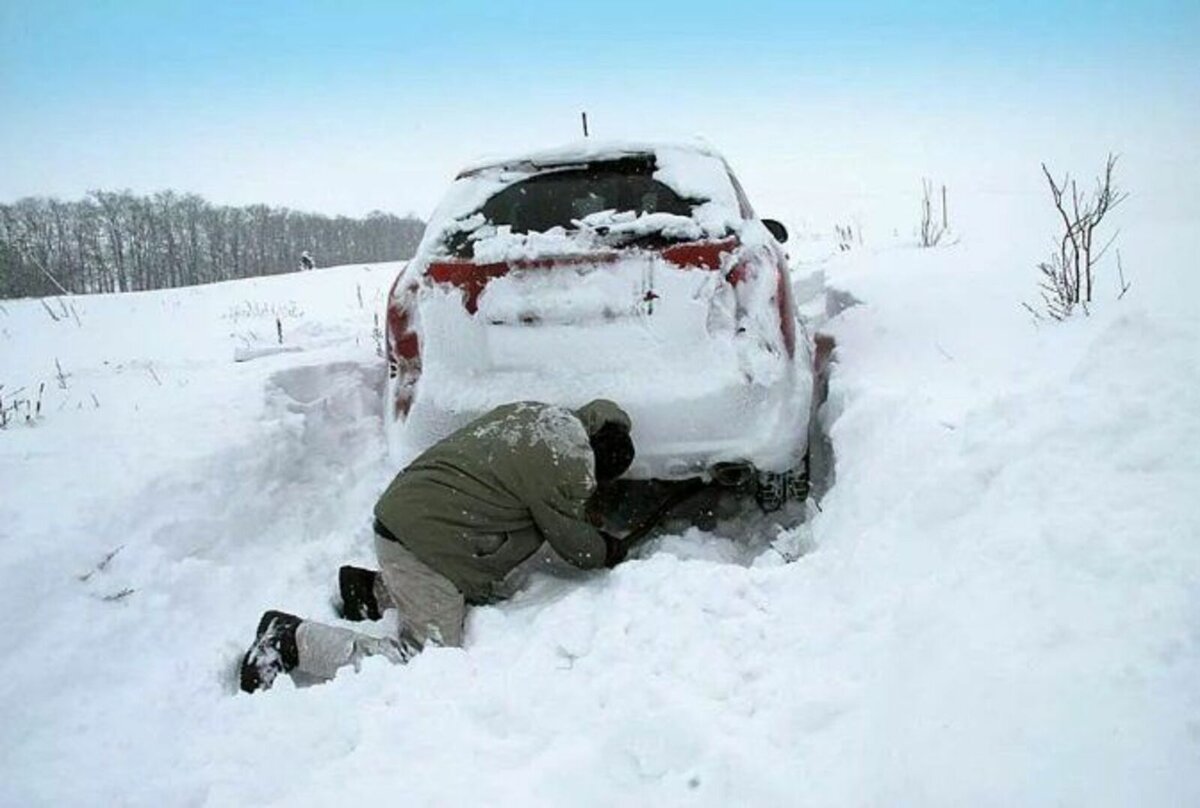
<point x="998" y="604"/>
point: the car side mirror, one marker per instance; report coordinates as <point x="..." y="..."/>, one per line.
<point x="777" y="230"/>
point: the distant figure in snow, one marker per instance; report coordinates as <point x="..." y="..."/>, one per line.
<point x="306" y="260"/>
<point x="452" y="525"/>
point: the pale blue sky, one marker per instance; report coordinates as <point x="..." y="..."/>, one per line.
<point x="345" y="107"/>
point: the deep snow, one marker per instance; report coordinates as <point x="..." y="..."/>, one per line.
<point x="999" y="602"/>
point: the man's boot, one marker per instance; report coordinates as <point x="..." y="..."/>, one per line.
<point x="357" y="586"/>
<point x="273" y="652"/>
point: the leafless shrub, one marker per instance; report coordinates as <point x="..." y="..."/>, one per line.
<point x="64" y="312"/>
<point x="102" y="564"/>
<point x="11" y="410"/>
<point x="1121" y="277"/>
<point x="931" y="230"/>
<point x="845" y="236"/>
<point x="1068" y="275"/>
<point x="249" y="337"/>
<point x="60" y="374"/>
<point x="16" y="407"/>
<point x="255" y="309"/>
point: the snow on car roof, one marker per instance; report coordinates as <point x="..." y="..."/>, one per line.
<point x="585" y="151"/>
<point x="694" y="171"/>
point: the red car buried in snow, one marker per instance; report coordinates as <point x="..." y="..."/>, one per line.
<point x="633" y="272"/>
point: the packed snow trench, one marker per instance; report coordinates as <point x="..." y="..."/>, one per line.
<point x="998" y="602"/>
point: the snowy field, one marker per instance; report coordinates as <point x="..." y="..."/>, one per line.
<point x="1000" y="602"/>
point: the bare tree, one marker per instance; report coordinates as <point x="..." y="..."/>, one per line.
<point x="1068" y="275"/>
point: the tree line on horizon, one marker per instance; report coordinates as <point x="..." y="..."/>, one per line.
<point x="122" y="242"/>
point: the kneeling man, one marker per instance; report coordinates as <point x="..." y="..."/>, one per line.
<point x="452" y="525"/>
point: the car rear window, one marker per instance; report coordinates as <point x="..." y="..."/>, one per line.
<point x="558" y="198"/>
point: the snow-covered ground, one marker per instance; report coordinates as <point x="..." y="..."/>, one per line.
<point x="1000" y="603"/>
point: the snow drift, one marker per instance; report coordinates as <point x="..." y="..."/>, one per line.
<point x="998" y="603"/>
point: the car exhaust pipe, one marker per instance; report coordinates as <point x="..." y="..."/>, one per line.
<point x="737" y="474"/>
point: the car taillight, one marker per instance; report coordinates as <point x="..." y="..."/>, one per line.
<point x="403" y="346"/>
<point x="700" y="254"/>
<point x="471" y="278"/>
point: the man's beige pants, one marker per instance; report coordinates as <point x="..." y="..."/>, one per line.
<point x="431" y="610"/>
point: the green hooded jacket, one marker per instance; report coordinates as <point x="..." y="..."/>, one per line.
<point x="481" y="501"/>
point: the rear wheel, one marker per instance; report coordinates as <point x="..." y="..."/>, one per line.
<point x="775" y="487"/>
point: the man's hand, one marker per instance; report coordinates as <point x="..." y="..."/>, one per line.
<point x="615" y="550"/>
<point x="600" y="500"/>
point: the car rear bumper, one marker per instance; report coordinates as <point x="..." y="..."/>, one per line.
<point x="677" y="433"/>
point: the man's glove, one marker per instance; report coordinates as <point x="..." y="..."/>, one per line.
<point x="615" y="550"/>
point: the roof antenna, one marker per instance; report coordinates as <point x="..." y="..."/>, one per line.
<point x="584" y="116"/>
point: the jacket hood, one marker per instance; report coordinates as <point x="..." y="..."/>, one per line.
<point x="595" y="414"/>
